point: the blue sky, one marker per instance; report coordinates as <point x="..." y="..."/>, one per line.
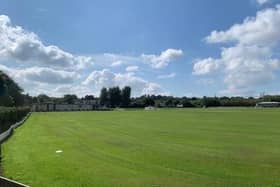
<point x="178" y="47"/>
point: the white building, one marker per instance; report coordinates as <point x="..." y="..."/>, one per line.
<point x="268" y="104"/>
<point x="49" y="107"/>
<point x="180" y="106"/>
<point x="150" y="108"/>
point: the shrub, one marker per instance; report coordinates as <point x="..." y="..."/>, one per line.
<point x="9" y="116"/>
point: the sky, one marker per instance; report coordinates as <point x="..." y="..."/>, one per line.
<point x="168" y="47"/>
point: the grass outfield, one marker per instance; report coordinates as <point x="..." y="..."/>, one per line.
<point x="192" y="147"/>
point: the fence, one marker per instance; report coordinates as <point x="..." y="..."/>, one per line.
<point x="4" y="182"/>
<point x="7" y="133"/>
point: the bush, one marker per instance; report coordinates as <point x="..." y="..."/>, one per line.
<point x="9" y="116"/>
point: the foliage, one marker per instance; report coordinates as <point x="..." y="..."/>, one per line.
<point x="214" y="102"/>
<point x="126" y="93"/>
<point x="3" y="86"/>
<point x="88" y="97"/>
<point x="170" y="101"/>
<point x="69" y="99"/>
<point x="115" y="97"/>
<point x="148" y="101"/>
<point x="10" y="92"/>
<point x="42" y="98"/>
<point x="186" y="103"/>
<point x="104" y="97"/>
<point x="271" y="98"/>
<point x="9" y="116"/>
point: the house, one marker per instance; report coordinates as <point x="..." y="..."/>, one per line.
<point x="150" y="108"/>
<point x="180" y="106"/>
<point x="267" y="104"/>
<point x="48" y="107"/>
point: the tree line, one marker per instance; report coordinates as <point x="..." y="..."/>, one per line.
<point x="115" y="97"/>
<point x="12" y="95"/>
<point x="191" y="102"/>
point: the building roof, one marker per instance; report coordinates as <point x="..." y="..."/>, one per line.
<point x="269" y="103"/>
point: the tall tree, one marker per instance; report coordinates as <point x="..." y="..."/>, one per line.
<point x="10" y="92"/>
<point x="3" y="91"/>
<point x="126" y="93"/>
<point x="103" y="97"/>
<point x="115" y="96"/>
<point x="2" y="87"/>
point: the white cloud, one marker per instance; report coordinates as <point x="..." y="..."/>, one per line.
<point x="24" y="46"/>
<point x="261" y="2"/>
<point x="205" y="66"/>
<point x="132" y="68"/>
<point x="260" y="30"/>
<point x="41" y="75"/>
<point x="5" y="69"/>
<point x="162" y="60"/>
<point x="114" y="60"/>
<point x="106" y="78"/>
<point x="168" y="76"/>
<point x="41" y="68"/>
<point x="250" y="62"/>
<point x="155" y="61"/>
<point x="117" y="63"/>
<point x="46" y="75"/>
<point x="37" y="80"/>
<point x="79" y="90"/>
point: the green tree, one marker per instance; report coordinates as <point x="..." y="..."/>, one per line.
<point x="42" y="98"/>
<point x="148" y="101"/>
<point x="3" y="87"/>
<point x="187" y="103"/>
<point x="103" y="97"/>
<point x="115" y="97"/>
<point x="210" y="102"/>
<point x="70" y="99"/>
<point x="10" y="92"/>
<point x="169" y="103"/>
<point x="89" y="97"/>
<point x="126" y="93"/>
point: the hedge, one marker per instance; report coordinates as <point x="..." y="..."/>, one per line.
<point x="9" y="116"/>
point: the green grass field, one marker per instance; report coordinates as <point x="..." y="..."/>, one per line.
<point x="192" y="147"/>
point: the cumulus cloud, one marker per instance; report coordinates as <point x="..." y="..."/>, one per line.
<point x="41" y="68"/>
<point x="106" y="78"/>
<point x="250" y="61"/>
<point x="260" y="30"/>
<point x="24" y="46"/>
<point x="46" y="75"/>
<point x="38" y="80"/>
<point x="132" y="68"/>
<point x="205" y="66"/>
<point x="162" y="60"/>
<point x="261" y="2"/>
<point x="167" y="76"/>
<point x="152" y="60"/>
<point x="41" y="75"/>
